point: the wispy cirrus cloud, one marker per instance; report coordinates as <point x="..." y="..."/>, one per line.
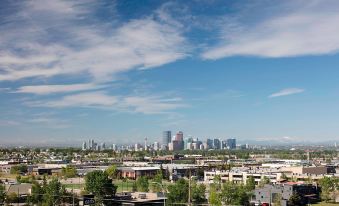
<point x="46" y="41"/>
<point x="285" y="92"/>
<point x="4" y="122"/>
<point x="86" y="99"/>
<point x="49" y="89"/>
<point x="50" y="122"/>
<point x="152" y="104"/>
<point x="4" y="89"/>
<point x="101" y="100"/>
<point x="307" y="28"/>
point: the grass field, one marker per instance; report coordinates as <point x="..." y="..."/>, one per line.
<point x="325" y="204"/>
<point x="124" y="186"/>
<point x="74" y="186"/>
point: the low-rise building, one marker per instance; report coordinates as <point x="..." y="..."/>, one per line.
<point x="283" y="192"/>
<point x="241" y="175"/>
<point x="135" y="172"/>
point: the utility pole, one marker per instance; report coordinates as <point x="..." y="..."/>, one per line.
<point x="270" y="195"/>
<point x="18" y="195"/>
<point x="72" y="191"/>
<point x="163" y="190"/>
<point x="189" y="187"/>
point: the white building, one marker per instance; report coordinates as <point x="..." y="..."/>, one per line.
<point x="240" y="175"/>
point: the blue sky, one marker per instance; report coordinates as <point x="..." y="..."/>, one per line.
<point x="120" y="71"/>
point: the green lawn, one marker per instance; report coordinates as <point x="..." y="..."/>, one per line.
<point x="74" y="186"/>
<point x="124" y="186"/>
<point x="325" y="204"/>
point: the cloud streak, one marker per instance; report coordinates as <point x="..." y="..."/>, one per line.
<point x="102" y="100"/>
<point x="47" y="41"/>
<point x="307" y="29"/>
<point x="286" y="92"/>
<point x="51" y="89"/>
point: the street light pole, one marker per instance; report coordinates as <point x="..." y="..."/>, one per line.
<point x="189" y="187"/>
<point x="72" y="191"/>
<point x="163" y="191"/>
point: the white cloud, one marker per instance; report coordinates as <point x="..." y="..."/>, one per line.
<point x="46" y="41"/>
<point x="50" y="122"/>
<point x="88" y="99"/>
<point x="4" y="89"/>
<point x="48" y="89"/>
<point x="285" y="92"/>
<point x="102" y="100"/>
<point x="29" y="72"/>
<point x="9" y="123"/>
<point x="152" y="105"/>
<point x="310" y="28"/>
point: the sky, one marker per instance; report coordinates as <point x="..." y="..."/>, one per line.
<point x="120" y="71"/>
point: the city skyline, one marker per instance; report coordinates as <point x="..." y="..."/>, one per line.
<point x="128" y="70"/>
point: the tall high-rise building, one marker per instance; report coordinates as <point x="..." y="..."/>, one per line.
<point x="166" y="137"/>
<point x="209" y="144"/>
<point x="137" y="147"/>
<point x="97" y="147"/>
<point x="92" y="144"/>
<point x="84" y="146"/>
<point x="187" y="143"/>
<point x="179" y="136"/>
<point x="89" y="146"/>
<point x="145" y="145"/>
<point x="176" y="145"/>
<point x="156" y="146"/>
<point x="223" y="144"/>
<point x="114" y="147"/>
<point x="103" y="146"/>
<point x="231" y="143"/>
<point x="216" y="144"/>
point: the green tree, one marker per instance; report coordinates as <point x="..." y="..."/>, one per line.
<point x="99" y="184"/>
<point x="36" y="194"/>
<point x="112" y="171"/>
<point x="156" y="186"/>
<point x="198" y="193"/>
<point x="18" y="169"/>
<point x="328" y="187"/>
<point x="69" y="171"/>
<point x="276" y="199"/>
<point x="12" y="198"/>
<point x="2" y="193"/>
<point x="250" y="184"/>
<point x="142" y="184"/>
<point x="217" y="182"/>
<point x="295" y="199"/>
<point x="233" y="194"/>
<point x="264" y="181"/>
<point x="214" y="197"/>
<point x="178" y="192"/>
<point x="53" y="193"/>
